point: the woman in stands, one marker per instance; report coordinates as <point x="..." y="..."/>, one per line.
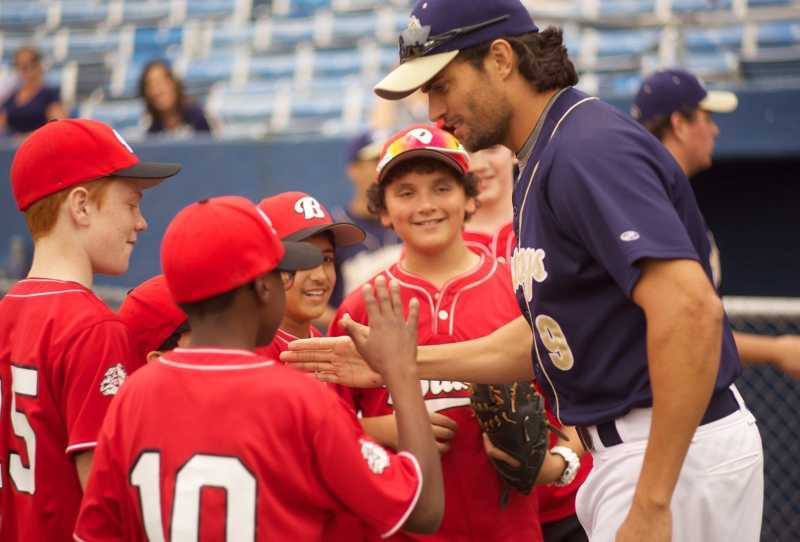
<point x="32" y="104"/>
<point x="170" y="111"/>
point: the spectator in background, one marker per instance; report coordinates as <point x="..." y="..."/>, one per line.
<point x="355" y="264"/>
<point x="674" y="106"/>
<point x="32" y="104"/>
<point x="169" y="109"/>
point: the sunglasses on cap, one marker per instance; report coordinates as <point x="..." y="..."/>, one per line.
<point x="415" y="41"/>
<point x="424" y="139"/>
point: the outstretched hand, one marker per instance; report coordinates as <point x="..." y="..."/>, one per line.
<point x="391" y="343"/>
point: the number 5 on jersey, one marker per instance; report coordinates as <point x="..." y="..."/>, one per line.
<point x="24" y="382"/>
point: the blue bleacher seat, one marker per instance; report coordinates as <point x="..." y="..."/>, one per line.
<point x="779" y="34"/>
<point x="206" y="71"/>
<point x="626" y="42"/>
<point x="272" y="66"/>
<point x="83" y="14"/>
<point x="302" y="8"/>
<point x="144" y="11"/>
<point x="715" y="65"/>
<point x="151" y="42"/>
<point x="618" y="84"/>
<point x="353" y="27"/>
<point x="230" y="36"/>
<point x="122" y="115"/>
<point x="727" y="38"/>
<point x="91" y="45"/>
<point x="613" y="8"/>
<point x="700" y="5"/>
<point x="22" y="15"/>
<point x="204" y="9"/>
<point x="339" y="62"/>
<point x="289" y="32"/>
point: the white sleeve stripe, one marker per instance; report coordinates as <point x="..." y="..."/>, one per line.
<point x="80" y="447"/>
<point x="413" y="502"/>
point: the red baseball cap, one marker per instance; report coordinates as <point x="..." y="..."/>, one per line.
<point x="67" y="152"/>
<point x="298" y="216"/>
<point x="218" y="244"/>
<point x="151" y="316"/>
<point x="423" y="140"/>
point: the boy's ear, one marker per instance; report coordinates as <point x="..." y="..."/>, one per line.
<point x="152" y="356"/>
<point x="262" y="286"/>
<point x="77" y="205"/>
<point x="471" y="206"/>
<point x="386" y="220"/>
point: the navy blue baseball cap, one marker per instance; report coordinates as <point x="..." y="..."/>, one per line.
<point x="667" y="91"/>
<point x="439" y="29"/>
<point x="365" y="146"/>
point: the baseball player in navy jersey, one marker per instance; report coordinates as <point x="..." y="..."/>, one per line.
<point x="630" y="340"/>
<point x="63" y="353"/>
<point x="675" y="107"/>
<point x="277" y="455"/>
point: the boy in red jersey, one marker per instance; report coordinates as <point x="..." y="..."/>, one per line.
<point x="299" y="217"/>
<point x="217" y="442"/>
<point x="63" y="353"/>
<point x="155" y="323"/>
<point x="424" y="193"/>
<point x="491" y="228"/>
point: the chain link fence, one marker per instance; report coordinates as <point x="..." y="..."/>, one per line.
<point x="774" y="399"/>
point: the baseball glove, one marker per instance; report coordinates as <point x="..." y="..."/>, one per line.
<point x="513" y="417"/>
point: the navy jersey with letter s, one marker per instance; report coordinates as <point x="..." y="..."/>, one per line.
<point x="598" y="195"/>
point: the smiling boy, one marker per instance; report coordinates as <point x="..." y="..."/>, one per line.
<point x="424" y="193"/>
<point x="63" y="353"/>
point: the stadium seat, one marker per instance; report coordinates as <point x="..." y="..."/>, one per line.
<point x="152" y="42"/>
<point x="274" y="66"/>
<point x="90" y="45"/>
<point x="285" y="33"/>
<point x="726" y="38"/>
<point x="206" y="9"/>
<point x="231" y="36"/>
<point x="685" y="6"/>
<point x="337" y="62"/>
<point x="84" y="14"/>
<point x="19" y="16"/>
<point x="779" y="34"/>
<point x="616" y="8"/>
<point x="144" y="12"/>
<point x="122" y="115"/>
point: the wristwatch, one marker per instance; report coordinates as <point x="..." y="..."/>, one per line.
<point x="573" y="464"/>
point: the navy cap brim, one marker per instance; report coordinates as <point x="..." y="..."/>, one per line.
<point x="299" y="256"/>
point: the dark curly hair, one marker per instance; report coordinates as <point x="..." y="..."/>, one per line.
<point x="542" y="56"/>
<point x="376" y="194"/>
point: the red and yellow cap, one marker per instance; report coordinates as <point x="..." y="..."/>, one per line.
<point x="219" y="244"/>
<point x="298" y="216"/>
<point x="423" y="140"/>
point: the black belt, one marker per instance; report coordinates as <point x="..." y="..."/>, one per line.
<point x="722" y="404"/>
